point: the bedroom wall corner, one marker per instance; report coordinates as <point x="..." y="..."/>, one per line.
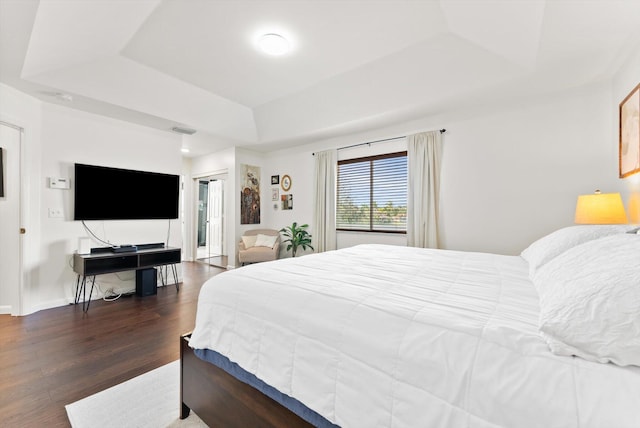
<point x="297" y="163"/>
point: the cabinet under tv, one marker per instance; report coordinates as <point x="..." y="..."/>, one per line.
<point x="100" y="263"/>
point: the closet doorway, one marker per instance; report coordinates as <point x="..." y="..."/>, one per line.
<point x="210" y="240"/>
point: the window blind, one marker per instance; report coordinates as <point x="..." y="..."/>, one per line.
<point x="372" y="194"/>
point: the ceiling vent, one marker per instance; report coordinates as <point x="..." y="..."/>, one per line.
<point x="186" y="131"/>
<point x="64" y="97"/>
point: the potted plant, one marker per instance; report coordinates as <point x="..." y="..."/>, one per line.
<point x="297" y="236"/>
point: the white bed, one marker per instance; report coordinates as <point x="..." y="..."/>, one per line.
<point x="388" y="336"/>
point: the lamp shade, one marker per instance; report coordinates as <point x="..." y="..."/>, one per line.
<point x="600" y="208"/>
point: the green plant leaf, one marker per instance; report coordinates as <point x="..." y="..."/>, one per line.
<point x="296" y="236"/>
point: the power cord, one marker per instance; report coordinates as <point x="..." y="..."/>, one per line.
<point x="110" y="294"/>
<point x="112" y="297"/>
<point x="86" y="228"/>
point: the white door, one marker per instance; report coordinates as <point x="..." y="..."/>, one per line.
<point x="10" y="241"/>
<point x="215" y="217"/>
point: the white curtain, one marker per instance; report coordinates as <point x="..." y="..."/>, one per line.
<point x="324" y="228"/>
<point x="424" y="153"/>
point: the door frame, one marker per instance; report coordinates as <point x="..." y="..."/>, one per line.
<point x="222" y="174"/>
<point x="221" y="182"/>
<point x="19" y="310"/>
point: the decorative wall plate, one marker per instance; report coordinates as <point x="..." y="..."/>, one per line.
<point x="285" y="182"/>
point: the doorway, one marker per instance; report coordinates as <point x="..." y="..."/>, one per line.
<point x="210" y="247"/>
<point x="10" y="213"/>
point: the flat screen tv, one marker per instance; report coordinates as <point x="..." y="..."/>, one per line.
<point x="103" y="193"/>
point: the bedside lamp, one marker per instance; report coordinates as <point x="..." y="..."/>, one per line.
<point x="600" y="208"/>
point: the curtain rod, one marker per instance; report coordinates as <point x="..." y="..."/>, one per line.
<point x="442" y="131"/>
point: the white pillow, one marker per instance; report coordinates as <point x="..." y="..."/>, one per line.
<point x="590" y="300"/>
<point x="249" y="241"/>
<point x="265" y="240"/>
<point x="552" y="245"/>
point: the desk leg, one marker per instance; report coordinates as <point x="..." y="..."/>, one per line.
<point x="175" y="276"/>
<point x="84" y="290"/>
<point x="78" y="289"/>
<point x="162" y="273"/>
<point x="93" y="283"/>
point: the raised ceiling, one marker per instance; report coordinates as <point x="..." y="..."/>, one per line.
<point x="354" y="64"/>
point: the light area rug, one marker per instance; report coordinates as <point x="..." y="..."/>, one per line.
<point x="149" y="400"/>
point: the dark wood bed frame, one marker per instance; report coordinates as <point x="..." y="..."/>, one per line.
<point x="221" y="400"/>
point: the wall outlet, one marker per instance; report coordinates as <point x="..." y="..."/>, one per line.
<point x="55" y="213"/>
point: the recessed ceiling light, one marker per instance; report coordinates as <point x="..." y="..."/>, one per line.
<point x="184" y="150"/>
<point x="274" y="44"/>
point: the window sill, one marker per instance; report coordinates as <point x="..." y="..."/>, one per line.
<point x="397" y="232"/>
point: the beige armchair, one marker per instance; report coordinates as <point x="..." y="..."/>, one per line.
<point x="253" y="248"/>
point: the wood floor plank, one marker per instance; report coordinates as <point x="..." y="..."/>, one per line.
<point x="57" y="356"/>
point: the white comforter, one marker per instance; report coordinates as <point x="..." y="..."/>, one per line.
<point x="387" y="336"/>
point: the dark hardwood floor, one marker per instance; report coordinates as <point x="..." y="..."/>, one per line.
<point x="217" y="261"/>
<point x="57" y="356"/>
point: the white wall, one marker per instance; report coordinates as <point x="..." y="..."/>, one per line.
<point x="70" y="136"/>
<point x="299" y="166"/>
<point x="56" y="137"/>
<point x="623" y="82"/>
<point x="511" y="173"/>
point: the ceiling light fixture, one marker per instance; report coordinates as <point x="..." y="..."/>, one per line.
<point x="274" y="44"/>
<point x="184" y="150"/>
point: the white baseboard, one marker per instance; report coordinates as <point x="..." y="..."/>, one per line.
<point x="125" y="286"/>
<point x="5" y="309"/>
<point x="47" y="305"/>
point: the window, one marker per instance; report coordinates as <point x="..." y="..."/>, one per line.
<point x="372" y="194"/>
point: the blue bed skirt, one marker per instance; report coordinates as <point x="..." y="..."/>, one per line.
<point x="242" y="375"/>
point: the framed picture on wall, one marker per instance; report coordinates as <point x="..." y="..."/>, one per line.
<point x="629" y="148"/>
<point x="286" y="183"/>
<point x="286" y="202"/>
<point x="250" y="194"/>
<point x="275" y="179"/>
